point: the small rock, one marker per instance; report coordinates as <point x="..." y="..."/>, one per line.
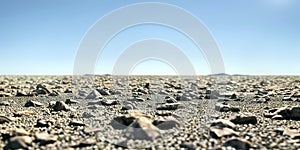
<point x="226" y="108"/>
<point x="59" y="106"/>
<point x="45" y="138"/>
<point x="20" y="132"/>
<point x="142" y="129"/>
<point x="243" y="119"/>
<point x="42" y="123"/>
<point x="287" y="98"/>
<point x="222" y="132"/>
<point x="169" y="106"/>
<point x="19" y="142"/>
<point x="87" y="115"/>
<point x="166" y="123"/>
<point x="4" y="119"/>
<point x="84" y="144"/>
<point x="76" y="123"/>
<point x="94" y="95"/>
<point x="54" y="93"/>
<point x="23" y="113"/>
<point x="4" y="103"/>
<point x="222" y="123"/>
<point x="128" y="107"/>
<point x="33" y="104"/>
<point x="171" y="100"/>
<point x="103" y="92"/>
<point x="109" y="102"/>
<point x="239" y="144"/>
<point x="71" y="101"/>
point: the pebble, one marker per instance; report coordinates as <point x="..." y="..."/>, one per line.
<point x="33" y="104"/>
<point x="76" y="123"/>
<point x="71" y="101"/>
<point x="223" y="123"/>
<point x="4" y="103"/>
<point x="4" y="119"/>
<point x="169" y="106"/>
<point x="226" y="108"/>
<point x="59" y="106"/>
<point x="23" y="113"/>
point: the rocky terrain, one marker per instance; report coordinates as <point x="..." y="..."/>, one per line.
<point x="150" y="112"/>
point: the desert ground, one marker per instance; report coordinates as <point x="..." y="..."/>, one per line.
<point x="149" y="112"/>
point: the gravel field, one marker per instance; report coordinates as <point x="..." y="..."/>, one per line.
<point x="150" y="112"/>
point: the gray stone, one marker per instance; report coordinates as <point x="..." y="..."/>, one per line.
<point x="244" y="119"/>
<point x="33" y="104"/>
<point x="222" y="132"/>
<point x="19" y="142"/>
<point x="237" y="143"/>
<point x="45" y="138"/>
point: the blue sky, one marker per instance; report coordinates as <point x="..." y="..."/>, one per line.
<point x="255" y="37"/>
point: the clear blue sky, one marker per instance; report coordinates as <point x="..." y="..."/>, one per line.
<point x="255" y="37"/>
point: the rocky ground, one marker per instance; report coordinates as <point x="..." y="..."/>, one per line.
<point x="150" y="112"/>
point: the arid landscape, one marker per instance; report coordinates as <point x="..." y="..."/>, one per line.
<point x="152" y="112"/>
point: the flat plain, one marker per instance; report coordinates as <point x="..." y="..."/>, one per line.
<point x="149" y="112"/>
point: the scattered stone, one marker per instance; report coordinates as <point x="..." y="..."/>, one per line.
<point x="23" y="113"/>
<point x="293" y="133"/>
<point x="84" y="144"/>
<point x="76" y="123"/>
<point x="166" y="123"/>
<point x="164" y="113"/>
<point x="4" y="119"/>
<point x="54" y="93"/>
<point x="87" y="115"/>
<point x="45" y="138"/>
<point x="286" y="113"/>
<point x="128" y="107"/>
<point x="20" y="132"/>
<point x="222" y="123"/>
<point x="222" y="132"/>
<point x="244" y="119"/>
<point x="42" y="123"/>
<point x="171" y="100"/>
<point x="19" y="142"/>
<point x="4" y="103"/>
<point x="109" y="102"/>
<point x="287" y="98"/>
<point x="33" y="104"/>
<point x="123" y="121"/>
<point x="169" y="106"/>
<point x="226" y="108"/>
<point x="59" y="106"/>
<point x="239" y="144"/>
<point x="94" y="95"/>
<point x="71" y="101"/>
<point x="142" y="129"/>
<point x="103" y="92"/>
<point x="42" y="89"/>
